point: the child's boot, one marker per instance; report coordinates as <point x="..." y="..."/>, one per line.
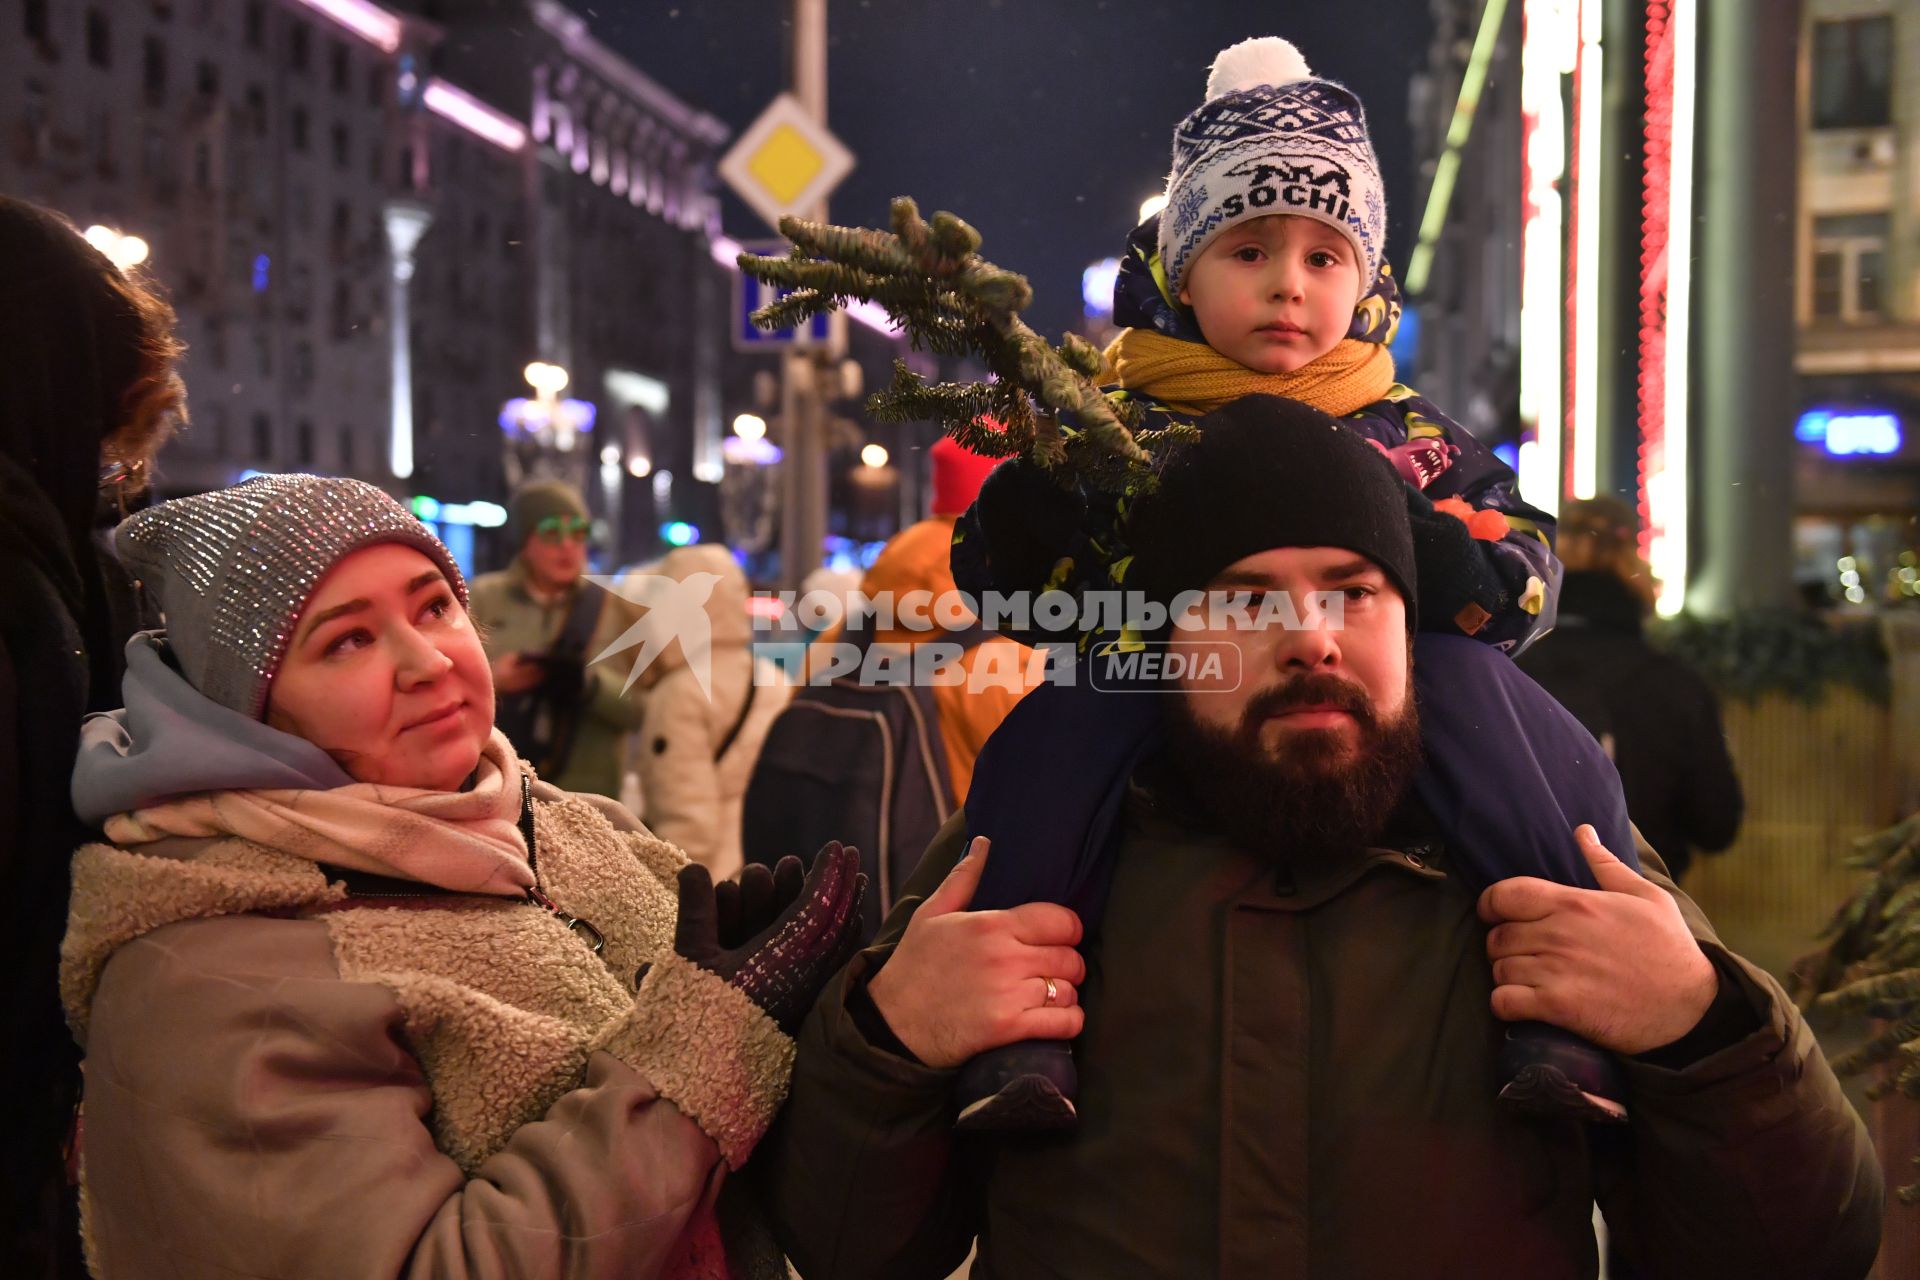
<point x="1018" y="1087"/>
<point x="1553" y="1073"/>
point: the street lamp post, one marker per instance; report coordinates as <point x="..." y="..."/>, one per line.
<point x="543" y="431"/>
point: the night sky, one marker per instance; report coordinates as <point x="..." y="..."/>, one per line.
<point x="1042" y="122"/>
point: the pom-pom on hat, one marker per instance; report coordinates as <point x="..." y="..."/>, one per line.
<point x="233" y="568"/>
<point x="1272" y="138"/>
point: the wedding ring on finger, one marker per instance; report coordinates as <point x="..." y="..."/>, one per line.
<point x="1053" y="993"/>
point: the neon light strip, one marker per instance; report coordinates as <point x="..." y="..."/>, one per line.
<point x="1655" y="206"/>
<point x="1445" y="173"/>
<point x="457" y="106"/>
<point x="1670" y="516"/>
<point x="1583" y="411"/>
<point x="726" y="251"/>
<point x="1548" y="38"/>
<point x="368" y="21"/>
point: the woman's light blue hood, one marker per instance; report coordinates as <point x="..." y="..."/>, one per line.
<point x="170" y="740"/>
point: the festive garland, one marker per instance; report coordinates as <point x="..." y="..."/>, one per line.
<point x="1871" y="967"/>
<point x="1778" y="651"/>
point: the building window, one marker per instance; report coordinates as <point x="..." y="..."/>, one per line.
<point x="342" y="146"/>
<point x="206" y="80"/>
<point x="303" y="443"/>
<point x="1849" y="267"/>
<point x="337" y="66"/>
<point x="202" y="166"/>
<point x="1853" y="73"/>
<point x="99" y="39"/>
<point x="257" y="109"/>
<point x="297" y="128"/>
<point x="376" y="85"/>
<point x="262" y="438"/>
<point x="299" y="41"/>
<point x="35" y="15"/>
<point x="346" y="449"/>
<point x="342" y="311"/>
<point x="256" y="24"/>
<point x="153" y="69"/>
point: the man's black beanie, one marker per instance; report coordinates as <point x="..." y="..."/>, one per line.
<point x="1268" y="472"/>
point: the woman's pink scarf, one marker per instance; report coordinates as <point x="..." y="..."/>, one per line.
<point x="467" y="841"/>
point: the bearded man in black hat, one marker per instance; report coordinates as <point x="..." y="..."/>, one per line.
<point x="1288" y="1009"/>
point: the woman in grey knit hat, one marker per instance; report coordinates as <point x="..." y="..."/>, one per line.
<point x="361" y="996"/>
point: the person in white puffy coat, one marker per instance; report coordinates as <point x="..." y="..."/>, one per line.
<point x="698" y="740"/>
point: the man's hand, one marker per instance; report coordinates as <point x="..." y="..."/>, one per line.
<point x="1615" y="964"/>
<point x="516" y="673"/>
<point x="961" y="982"/>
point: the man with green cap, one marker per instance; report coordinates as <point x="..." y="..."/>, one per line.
<point x="541" y="621"/>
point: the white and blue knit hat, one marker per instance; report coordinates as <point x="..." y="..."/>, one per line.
<point x="1272" y="138"/>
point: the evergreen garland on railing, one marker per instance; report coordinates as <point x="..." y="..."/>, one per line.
<point x="1871" y="967"/>
<point x="1780" y="651"/>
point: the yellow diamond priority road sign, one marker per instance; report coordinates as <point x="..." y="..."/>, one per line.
<point x="785" y="163"/>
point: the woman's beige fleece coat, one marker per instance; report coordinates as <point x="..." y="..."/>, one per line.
<point x="283" y="1081"/>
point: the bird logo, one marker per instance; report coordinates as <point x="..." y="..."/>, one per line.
<point x="672" y="609"/>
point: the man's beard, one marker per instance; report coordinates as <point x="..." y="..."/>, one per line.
<point x="1311" y="798"/>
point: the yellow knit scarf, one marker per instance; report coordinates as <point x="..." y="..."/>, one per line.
<point x="1191" y="377"/>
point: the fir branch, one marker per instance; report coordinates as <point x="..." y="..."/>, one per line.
<point x="1871" y="965"/>
<point x="931" y="280"/>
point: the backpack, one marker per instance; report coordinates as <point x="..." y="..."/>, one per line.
<point x="859" y="763"/>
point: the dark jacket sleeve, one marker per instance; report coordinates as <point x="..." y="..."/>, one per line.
<point x="1749" y="1161"/>
<point x="862" y="1174"/>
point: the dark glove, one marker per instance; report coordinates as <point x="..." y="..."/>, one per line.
<point x="783" y="966"/>
<point x="752" y="900"/>
<point x="1027" y="522"/>
<point x="1460" y="590"/>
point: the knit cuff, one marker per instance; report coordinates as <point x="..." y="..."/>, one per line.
<point x="709" y="1050"/>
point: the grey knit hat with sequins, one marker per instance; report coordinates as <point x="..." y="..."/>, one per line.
<point x="232" y="569"/>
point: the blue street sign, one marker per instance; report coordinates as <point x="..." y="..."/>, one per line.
<point x="749" y="295"/>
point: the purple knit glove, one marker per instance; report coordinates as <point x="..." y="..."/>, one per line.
<point x="783" y="966"/>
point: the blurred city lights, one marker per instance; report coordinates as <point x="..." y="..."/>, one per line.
<point x="1152" y="205"/>
<point x="547" y="379"/>
<point x="679" y="533"/>
<point x="873" y="456"/>
<point x="750" y="426"/>
<point x="124" y="251"/>
<point x="1096" y="286"/>
<point x="476" y="117"/>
